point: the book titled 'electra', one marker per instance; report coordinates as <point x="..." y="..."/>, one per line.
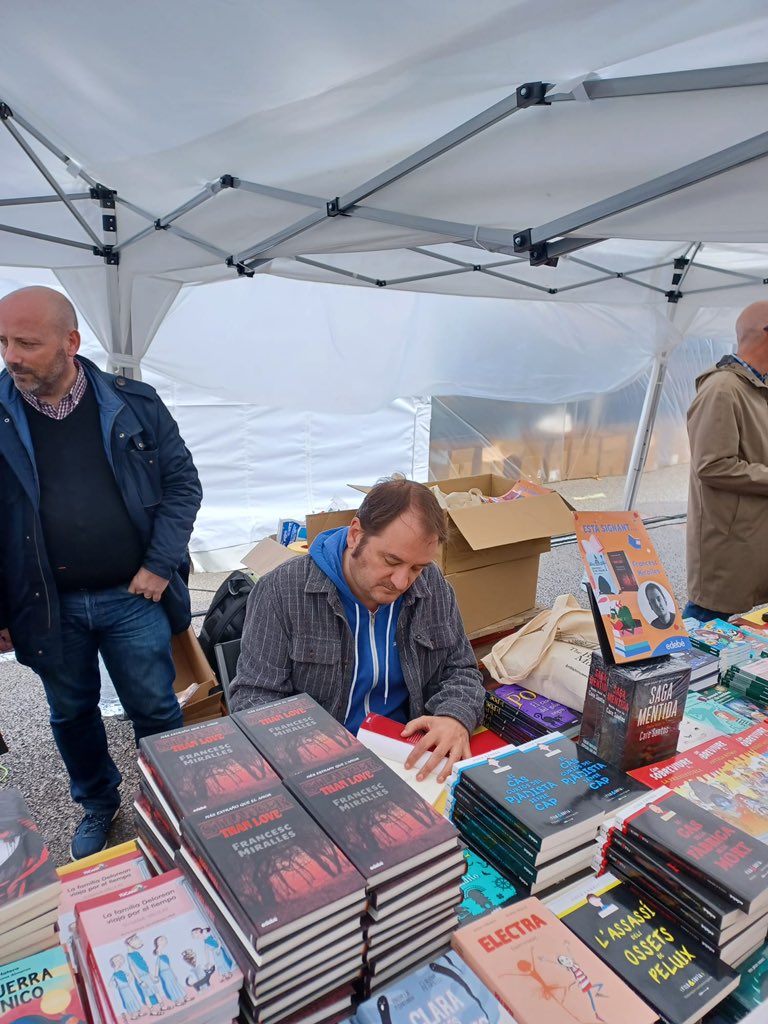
<point x="540" y="971"/>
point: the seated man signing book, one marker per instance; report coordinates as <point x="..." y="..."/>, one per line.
<point x="366" y="622"/>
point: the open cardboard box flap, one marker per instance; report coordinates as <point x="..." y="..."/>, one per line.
<point x="510" y="522"/>
<point x="267" y="555"/>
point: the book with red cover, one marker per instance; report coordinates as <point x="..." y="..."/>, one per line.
<point x="722" y="856"/>
<point x="377" y="819"/>
<point x="541" y="972"/>
<point x="208" y="764"/>
<point x="383" y="736"/>
<point x="274" y="866"/>
<point x="295" y="734"/>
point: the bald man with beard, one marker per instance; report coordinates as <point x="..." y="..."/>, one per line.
<point x="98" y="495"/>
<point x="727" y="544"/>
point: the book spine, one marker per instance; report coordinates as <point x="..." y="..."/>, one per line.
<point x="483" y="832"/>
<point x="485" y="807"/>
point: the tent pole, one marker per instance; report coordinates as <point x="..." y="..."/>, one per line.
<point x="645" y="429"/>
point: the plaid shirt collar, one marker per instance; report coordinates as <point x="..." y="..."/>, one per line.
<point x="69" y="402"/>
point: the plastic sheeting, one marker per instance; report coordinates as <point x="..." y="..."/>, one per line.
<point x="552" y="441"/>
<point x="259" y="463"/>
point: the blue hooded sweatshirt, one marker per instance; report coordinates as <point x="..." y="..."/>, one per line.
<point x="377" y="680"/>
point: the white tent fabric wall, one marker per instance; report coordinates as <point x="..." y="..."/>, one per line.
<point x="259" y="462"/>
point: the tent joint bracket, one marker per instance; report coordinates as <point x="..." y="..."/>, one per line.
<point x="109" y="254"/>
<point x="241" y="268"/>
<point x="674" y="295"/>
<point x="532" y="94"/>
<point x="5" y="112"/>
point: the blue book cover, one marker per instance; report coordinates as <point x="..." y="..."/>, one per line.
<point x="483" y="889"/>
<point x="447" y="984"/>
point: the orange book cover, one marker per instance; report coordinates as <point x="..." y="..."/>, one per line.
<point x="635" y="609"/>
<point x="542" y="973"/>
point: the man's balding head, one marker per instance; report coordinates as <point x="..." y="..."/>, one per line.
<point x="39" y="340"/>
<point x="752" y="335"/>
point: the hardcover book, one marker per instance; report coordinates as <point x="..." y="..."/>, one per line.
<point x="551" y="789"/>
<point x="151" y="946"/>
<point x="382" y="825"/>
<point x="40" y="988"/>
<point x="295" y="734"/>
<point x="664" y="964"/>
<point x="209" y="764"/>
<point x="539" y="970"/>
<point x="275" y="864"/>
<point x="724" y="857"/>
<point x="632" y="712"/>
<point x="445" y="986"/>
<point x="633" y="603"/>
<point x="28" y="879"/>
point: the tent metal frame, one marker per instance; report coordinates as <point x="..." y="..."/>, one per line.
<point x="537" y="245"/>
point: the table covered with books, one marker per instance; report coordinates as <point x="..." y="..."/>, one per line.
<point x="604" y="862"/>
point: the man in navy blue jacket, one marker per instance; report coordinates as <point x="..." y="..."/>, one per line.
<point x="98" y="496"/>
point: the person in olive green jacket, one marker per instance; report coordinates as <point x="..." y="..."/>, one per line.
<point x="727" y="543"/>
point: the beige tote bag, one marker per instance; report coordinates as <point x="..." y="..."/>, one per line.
<point x="550" y="654"/>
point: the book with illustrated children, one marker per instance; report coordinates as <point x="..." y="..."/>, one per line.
<point x="150" y="949"/>
<point x="541" y="971"/>
<point x="657" y="958"/>
<point x="631" y="598"/>
<point x="40" y="989"/>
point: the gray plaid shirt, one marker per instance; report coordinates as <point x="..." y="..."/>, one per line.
<point x="296" y="639"/>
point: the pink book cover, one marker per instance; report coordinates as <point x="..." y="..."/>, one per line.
<point x="96" y="880"/>
<point x="154" y="950"/>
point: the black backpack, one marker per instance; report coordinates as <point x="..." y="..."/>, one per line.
<point x="225" y="616"/>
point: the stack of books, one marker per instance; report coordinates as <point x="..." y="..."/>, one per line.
<point x="29" y="886"/>
<point x="534" y="812"/>
<point x="703" y="665"/>
<point x="711" y="877"/>
<point x="407" y="853"/>
<point x="483" y="888"/>
<point x="751" y="994"/>
<point x="40" y="989"/>
<point x="749" y="679"/>
<point x="286" y="898"/>
<point x="205" y="765"/>
<point x="118" y="867"/>
<point x="519" y="715"/>
<point x="151" y="950"/>
<point x="540" y="971"/>
<point x="647" y="947"/>
<point x="717" y="711"/>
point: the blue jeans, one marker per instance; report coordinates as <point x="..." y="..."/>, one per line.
<point x="695" y="611"/>
<point x="134" y="638"/>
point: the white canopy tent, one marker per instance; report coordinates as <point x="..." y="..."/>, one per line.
<point x="435" y="147"/>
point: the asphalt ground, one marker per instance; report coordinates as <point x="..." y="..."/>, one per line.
<point x="32" y="762"/>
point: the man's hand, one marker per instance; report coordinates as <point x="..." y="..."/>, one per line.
<point x="6" y="644"/>
<point x="444" y="736"/>
<point x="146" y="584"/>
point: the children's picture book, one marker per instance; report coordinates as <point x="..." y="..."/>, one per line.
<point x="110" y="853"/>
<point x="40" y="989"/>
<point x="714" y="636"/>
<point x="634" y="606"/>
<point x="445" y="986"/>
<point x="550" y="790"/>
<point x="716" y="712"/>
<point x="663" y="963"/>
<point x="151" y="949"/>
<point x="95" y="880"/>
<point x="721" y="855"/>
<point x="541" y="971"/>
<point x="272" y="864"/>
<point x="295" y="734"/>
<point x="632" y="713"/>
<point x="208" y="764"/>
<point x="382" y="825"/>
<point x="483" y="888"/>
<point x="28" y="876"/>
<point x="727" y="776"/>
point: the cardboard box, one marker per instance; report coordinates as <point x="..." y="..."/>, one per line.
<point x="482" y="539"/>
<point x="192" y="667"/>
<point x="267" y="555"/>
